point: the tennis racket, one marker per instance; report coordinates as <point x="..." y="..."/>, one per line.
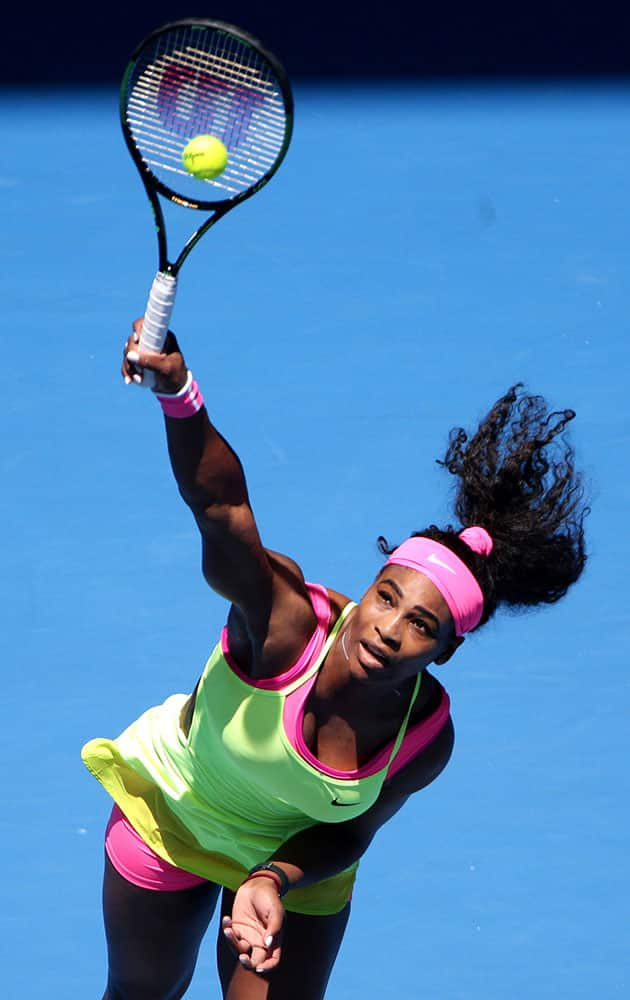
<point x="199" y="77"/>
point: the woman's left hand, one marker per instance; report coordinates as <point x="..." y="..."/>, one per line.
<point x="255" y="927"/>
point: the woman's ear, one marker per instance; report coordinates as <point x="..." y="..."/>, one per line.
<point x="449" y="650"/>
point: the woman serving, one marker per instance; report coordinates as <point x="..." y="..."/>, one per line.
<point x="315" y="717"/>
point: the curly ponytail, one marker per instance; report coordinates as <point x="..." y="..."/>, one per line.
<point x="520" y="484"/>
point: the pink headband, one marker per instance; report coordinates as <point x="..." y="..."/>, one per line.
<point x="448" y="573"/>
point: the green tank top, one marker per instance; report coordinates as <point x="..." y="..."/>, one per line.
<point x="225" y="796"/>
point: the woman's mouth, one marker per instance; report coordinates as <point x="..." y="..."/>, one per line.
<point x="372" y="656"/>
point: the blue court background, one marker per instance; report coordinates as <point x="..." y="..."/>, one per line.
<point x="420" y="250"/>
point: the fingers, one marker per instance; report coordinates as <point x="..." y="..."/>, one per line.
<point x="254" y="930"/>
<point x="134" y="360"/>
<point x="272" y="953"/>
<point x="264" y="959"/>
<point x="128" y="371"/>
<point x="260" y="957"/>
<point x="144" y="359"/>
<point x="275" y="921"/>
<point x="169" y="367"/>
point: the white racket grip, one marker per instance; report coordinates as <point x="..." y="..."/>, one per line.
<point x="157" y="318"/>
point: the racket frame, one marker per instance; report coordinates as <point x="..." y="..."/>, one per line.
<point x="154" y="187"/>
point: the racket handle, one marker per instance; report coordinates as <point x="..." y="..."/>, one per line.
<point x="157" y="317"/>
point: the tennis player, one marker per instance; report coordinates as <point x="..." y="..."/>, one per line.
<point x="315" y="717"/>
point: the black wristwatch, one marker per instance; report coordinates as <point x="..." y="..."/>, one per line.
<point x="270" y="867"/>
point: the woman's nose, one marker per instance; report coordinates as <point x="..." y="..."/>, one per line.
<point x="389" y="632"/>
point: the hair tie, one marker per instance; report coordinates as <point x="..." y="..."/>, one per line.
<point x="477" y="539"/>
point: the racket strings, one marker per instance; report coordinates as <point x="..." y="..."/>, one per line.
<point x="184" y="101"/>
<point x="188" y="93"/>
<point x="196" y="82"/>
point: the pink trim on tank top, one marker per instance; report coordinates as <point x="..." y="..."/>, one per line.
<point x="138" y="863"/>
<point x="321" y="607"/>
<point x="419" y="736"/>
<point x="416" y="739"/>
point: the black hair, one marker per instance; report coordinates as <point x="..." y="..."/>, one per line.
<point x="518" y="481"/>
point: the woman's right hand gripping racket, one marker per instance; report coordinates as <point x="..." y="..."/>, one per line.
<point x="190" y="79"/>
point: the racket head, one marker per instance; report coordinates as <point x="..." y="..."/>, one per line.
<point x="203" y="77"/>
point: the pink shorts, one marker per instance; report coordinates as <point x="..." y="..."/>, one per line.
<point x="136" y="862"/>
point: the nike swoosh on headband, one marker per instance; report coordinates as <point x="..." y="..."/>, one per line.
<point x="432" y="558"/>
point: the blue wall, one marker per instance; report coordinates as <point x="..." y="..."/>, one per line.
<point x="90" y="42"/>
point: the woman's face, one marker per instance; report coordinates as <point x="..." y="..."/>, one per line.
<point x="401" y="625"/>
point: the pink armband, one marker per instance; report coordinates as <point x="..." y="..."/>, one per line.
<point x="184" y="403"/>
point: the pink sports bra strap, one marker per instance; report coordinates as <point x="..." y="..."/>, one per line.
<point x="419" y="737"/>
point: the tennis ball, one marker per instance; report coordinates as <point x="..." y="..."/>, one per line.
<point x="205" y="157"/>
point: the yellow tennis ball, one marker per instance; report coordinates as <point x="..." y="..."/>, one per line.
<point x="205" y="157"/>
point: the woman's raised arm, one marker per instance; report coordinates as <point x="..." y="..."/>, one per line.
<point x="212" y="482"/>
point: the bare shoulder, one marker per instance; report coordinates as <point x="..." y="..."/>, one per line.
<point x="337" y="603"/>
<point x="270" y="645"/>
<point x="289" y="570"/>
<point x="267" y="645"/>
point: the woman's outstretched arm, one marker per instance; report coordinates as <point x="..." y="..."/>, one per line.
<point x="269" y="594"/>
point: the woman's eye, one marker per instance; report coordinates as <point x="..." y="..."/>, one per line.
<point x="423" y="627"/>
<point x="383" y="594"/>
